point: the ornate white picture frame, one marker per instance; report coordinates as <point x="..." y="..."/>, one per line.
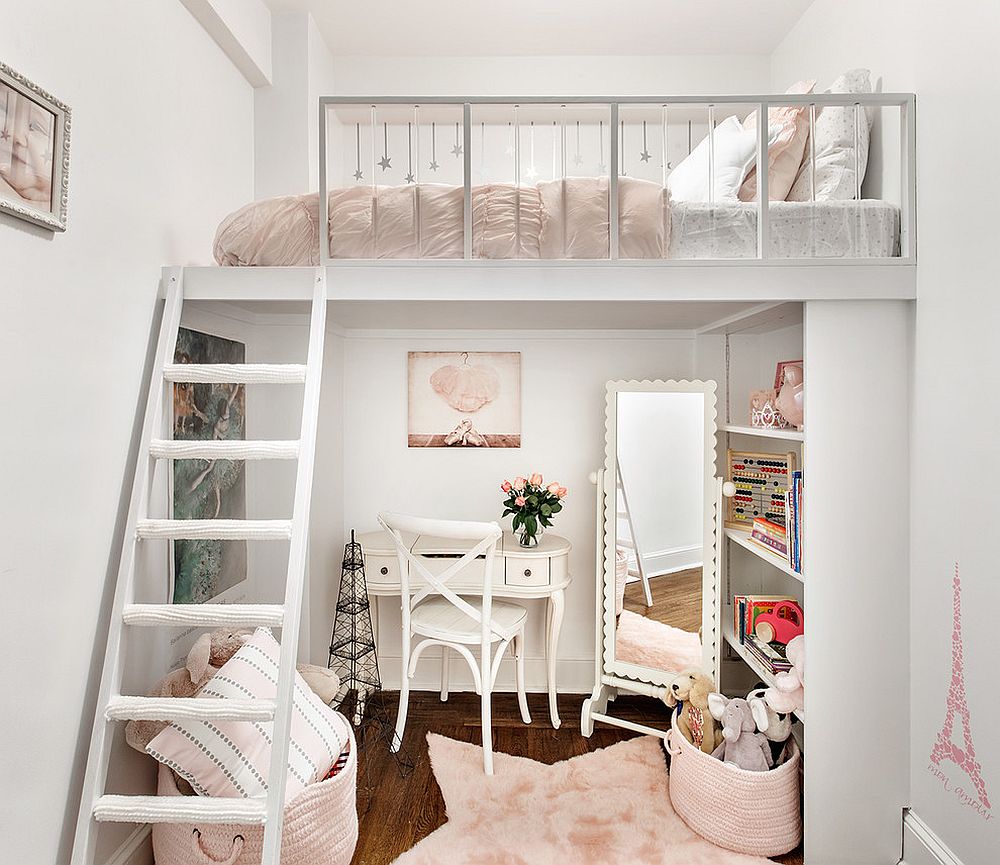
<point x="34" y="152"/>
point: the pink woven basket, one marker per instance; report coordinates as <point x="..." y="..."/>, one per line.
<point x="320" y="826"/>
<point x="749" y="812"/>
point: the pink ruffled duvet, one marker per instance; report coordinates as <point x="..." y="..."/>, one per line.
<point x="556" y="219"/>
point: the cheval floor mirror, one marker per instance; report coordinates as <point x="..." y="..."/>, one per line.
<point x="662" y="434"/>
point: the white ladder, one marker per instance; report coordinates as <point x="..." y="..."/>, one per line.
<point x="112" y="706"/>
<point x="629" y="541"/>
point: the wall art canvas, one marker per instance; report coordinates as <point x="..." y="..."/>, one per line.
<point x="464" y="399"/>
<point x="208" y="489"/>
<point x="34" y="152"/>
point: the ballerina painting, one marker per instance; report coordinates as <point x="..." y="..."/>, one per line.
<point x="464" y="399"/>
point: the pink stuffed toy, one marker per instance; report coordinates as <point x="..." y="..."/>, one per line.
<point x="788" y="693"/>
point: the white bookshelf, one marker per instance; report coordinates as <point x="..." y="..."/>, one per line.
<point x="765" y="675"/>
<point x="785" y="434"/>
<point x="742" y="539"/>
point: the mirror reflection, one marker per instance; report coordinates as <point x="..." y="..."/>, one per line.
<point x="659" y="542"/>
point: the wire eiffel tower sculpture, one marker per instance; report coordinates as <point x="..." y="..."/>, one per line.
<point x="353" y="657"/>
<point x="944" y="747"/>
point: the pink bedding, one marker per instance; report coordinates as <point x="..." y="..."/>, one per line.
<point x="553" y="220"/>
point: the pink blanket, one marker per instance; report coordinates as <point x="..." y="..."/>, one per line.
<point x="555" y="219"/>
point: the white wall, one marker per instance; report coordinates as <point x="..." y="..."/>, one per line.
<point x="563" y="405"/>
<point x="941" y="52"/>
<point x="956" y="411"/>
<point x="661" y="444"/>
<point x="161" y="150"/>
<point x="550" y="76"/>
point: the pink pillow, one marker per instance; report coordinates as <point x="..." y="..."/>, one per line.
<point x="784" y="156"/>
<point x="232" y="758"/>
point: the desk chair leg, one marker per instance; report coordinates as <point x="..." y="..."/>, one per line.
<point x="487" y="715"/>
<point x="404" y="695"/>
<point x="522" y="697"/>
<point x="444" y="673"/>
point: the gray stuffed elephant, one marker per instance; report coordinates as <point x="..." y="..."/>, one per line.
<point x="742" y="745"/>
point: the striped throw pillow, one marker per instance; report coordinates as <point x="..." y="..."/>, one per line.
<point x="232" y="758"/>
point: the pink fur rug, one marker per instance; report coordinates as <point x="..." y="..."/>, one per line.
<point x="650" y="643"/>
<point x="609" y="807"/>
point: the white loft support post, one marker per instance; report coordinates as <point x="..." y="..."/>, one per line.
<point x="763" y="195"/>
<point x="863" y="428"/>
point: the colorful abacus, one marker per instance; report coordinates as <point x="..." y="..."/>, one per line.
<point x="761" y="482"/>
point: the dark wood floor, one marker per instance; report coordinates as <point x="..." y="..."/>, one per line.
<point x="676" y="599"/>
<point x="396" y="812"/>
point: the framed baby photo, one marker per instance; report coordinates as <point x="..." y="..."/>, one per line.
<point x="34" y="152"/>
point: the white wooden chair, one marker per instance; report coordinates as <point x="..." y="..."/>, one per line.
<point x="440" y="617"/>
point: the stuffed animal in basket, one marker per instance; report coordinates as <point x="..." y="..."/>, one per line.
<point x="776" y="726"/>
<point x="209" y="652"/>
<point x="742" y="745"/>
<point x="788" y="693"/>
<point x="690" y="691"/>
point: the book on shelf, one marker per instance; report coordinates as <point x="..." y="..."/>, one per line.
<point x="747" y="608"/>
<point x="770" y="655"/>
<point x="771" y="536"/>
<point x="794" y="522"/>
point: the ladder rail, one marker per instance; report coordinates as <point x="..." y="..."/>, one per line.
<point x="640" y="565"/>
<point x="295" y="575"/>
<point x="95" y="777"/>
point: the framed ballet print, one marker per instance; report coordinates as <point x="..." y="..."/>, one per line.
<point x="34" y="152"/>
<point x="464" y="399"/>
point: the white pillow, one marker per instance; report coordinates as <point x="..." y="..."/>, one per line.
<point x="735" y="153"/>
<point x="834" y="145"/>
<point x="232" y="758"/>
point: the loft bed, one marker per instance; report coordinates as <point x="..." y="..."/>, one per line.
<point x="502" y="180"/>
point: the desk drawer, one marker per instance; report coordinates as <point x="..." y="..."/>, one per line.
<point x="381" y="568"/>
<point x="526" y="571"/>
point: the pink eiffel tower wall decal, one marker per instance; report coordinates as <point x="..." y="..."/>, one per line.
<point x="944" y="747"/>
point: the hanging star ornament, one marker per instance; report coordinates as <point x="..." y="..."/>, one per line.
<point x="434" y="165"/>
<point x="359" y="175"/>
<point x="602" y="168"/>
<point x="385" y="162"/>
<point x="577" y="159"/>
<point x="457" y="150"/>
<point x="531" y="173"/>
<point x="4" y="135"/>
<point x="410" y="178"/>
<point x="644" y="156"/>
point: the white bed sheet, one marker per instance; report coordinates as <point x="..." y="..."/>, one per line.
<point x="824" y="229"/>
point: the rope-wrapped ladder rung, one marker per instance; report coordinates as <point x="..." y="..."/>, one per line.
<point x="215" y="530"/>
<point x="126" y="708"/>
<point x="235" y="373"/>
<point x="204" y="615"/>
<point x="234" y="449"/>
<point x="180" y="809"/>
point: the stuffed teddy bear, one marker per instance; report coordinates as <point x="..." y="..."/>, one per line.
<point x="776" y="726"/>
<point x="742" y="745"/>
<point x="209" y="652"/>
<point x="788" y="693"/>
<point x="691" y="689"/>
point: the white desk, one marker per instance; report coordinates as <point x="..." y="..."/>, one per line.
<point x="520" y="572"/>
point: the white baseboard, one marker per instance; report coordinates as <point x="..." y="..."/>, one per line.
<point x="134" y="850"/>
<point x="573" y="676"/>
<point x="922" y="846"/>
<point x="673" y="560"/>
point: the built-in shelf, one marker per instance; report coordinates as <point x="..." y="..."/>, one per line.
<point x="765" y="675"/>
<point x="788" y="434"/>
<point x="743" y="539"/>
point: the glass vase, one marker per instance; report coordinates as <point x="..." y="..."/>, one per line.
<point x="529" y="540"/>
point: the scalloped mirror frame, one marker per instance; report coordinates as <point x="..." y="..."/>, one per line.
<point x="711" y="608"/>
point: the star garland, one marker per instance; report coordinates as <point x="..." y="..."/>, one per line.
<point x="409" y="153"/>
<point x="359" y="175"/>
<point x="434" y="160"/>
<point x="384" y="162"/>
<point x="457" y="149"/>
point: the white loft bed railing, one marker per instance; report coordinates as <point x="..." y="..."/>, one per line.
<point x="420" y="109"/>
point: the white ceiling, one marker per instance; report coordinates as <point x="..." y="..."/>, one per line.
<point x="547" y="27"/>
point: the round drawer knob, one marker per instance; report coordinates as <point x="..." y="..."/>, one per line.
<point x="384" y="571"/>
<point x="527" y="572"/>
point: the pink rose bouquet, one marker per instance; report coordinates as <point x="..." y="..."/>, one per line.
<point x="533" y="504"/>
